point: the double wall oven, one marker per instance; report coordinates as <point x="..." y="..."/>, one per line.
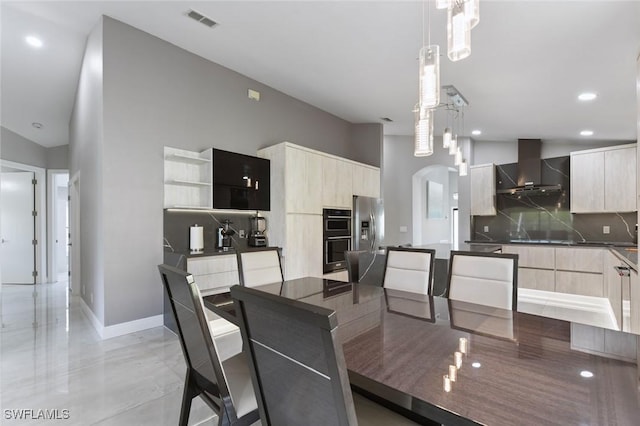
<point x="336" y="238"/>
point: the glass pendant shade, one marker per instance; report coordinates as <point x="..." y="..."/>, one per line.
<point x="458" y="32"/>
<point x="442" y="4"/>
<point x="446" y="138"/>
<point x="424" y="132"/>
<point x="472" y="12"/>
<point x="458" y="159"/>
<point x="464" y="169"/>
<point x="429" y="77"/>
<point x="453" y="146"/>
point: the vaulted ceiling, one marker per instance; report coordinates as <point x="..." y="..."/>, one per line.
<point x="357" y="60"/>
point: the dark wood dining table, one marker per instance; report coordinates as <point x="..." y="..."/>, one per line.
<point x="513" y="368"/>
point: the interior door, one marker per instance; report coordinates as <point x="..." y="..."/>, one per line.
<point x="17" y="228"/>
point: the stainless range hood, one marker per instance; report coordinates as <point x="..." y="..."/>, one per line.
<point x="530" y="171"/>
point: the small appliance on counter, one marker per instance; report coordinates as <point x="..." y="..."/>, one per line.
<point x="224" y="234"/>
<point x="196" y="239"/>
<point x="257" y="237"/>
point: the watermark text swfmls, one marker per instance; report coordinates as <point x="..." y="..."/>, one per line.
<point x="36" y="414"/>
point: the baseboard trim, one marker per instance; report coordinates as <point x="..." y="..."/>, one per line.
<point x="121" y="329"/>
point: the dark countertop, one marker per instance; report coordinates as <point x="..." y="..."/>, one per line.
<point x="556" y="243"/>
<point x="627" y="256"/>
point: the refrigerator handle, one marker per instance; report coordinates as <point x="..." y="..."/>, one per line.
<point x="373" y="231"/>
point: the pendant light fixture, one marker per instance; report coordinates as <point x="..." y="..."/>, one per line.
<point x="472" y="12"/>
<point x="458" y="31"/>
<point x="429" y="77"/>
<point x="453" y="146"/>
<point x="458" y="158"/>
<point x="446" y="137"/>
<point x="424" y="132"/>
<point x="464" y="168"/>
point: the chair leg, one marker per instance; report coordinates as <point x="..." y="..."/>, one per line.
<point x="187" y="397"/>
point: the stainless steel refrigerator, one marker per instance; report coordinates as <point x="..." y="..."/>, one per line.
<point x="368" y="223"/>
<point x="368" y="234"/>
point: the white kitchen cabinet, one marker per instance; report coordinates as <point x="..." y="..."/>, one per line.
<point x="604" y="180"/>
<point x="366" y="180"/>
<point x="302" y="249"/>
<point x="620" y="180"/>
<point x="303" y="177"/>
<point x="337" y="178"/>
<point x="187" y="178"/>
<point x="580" y="259"/>
<point x="214" y="274"/>
<point x="483" y="190"/>
<point x="536" y="266"/>
<point x="303" y="181"/>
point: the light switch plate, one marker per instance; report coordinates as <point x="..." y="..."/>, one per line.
<point x="241" y="233"/>
<point x="606" y="229"/>
<point x="486" y="228"/>
<point x="403" y="229"/>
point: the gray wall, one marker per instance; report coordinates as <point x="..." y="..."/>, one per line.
<point x="156" y="94"/>
<point x="399" y="166"/>
<point x="22" y="150"/>
<point x="366" y="143"/>
<point x="86" y="148"/>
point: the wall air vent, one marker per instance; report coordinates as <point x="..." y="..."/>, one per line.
<point x="201" y="18"/>
<point x="387" y="119"/>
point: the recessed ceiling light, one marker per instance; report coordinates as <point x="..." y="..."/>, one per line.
<point x="586" y="133"/>
<point x="586" y="374"/>
<point x="587" y="96"/>
<point x="476" y="132"/>
<point x="37" y="125"/>
<point x="34" y="41"/>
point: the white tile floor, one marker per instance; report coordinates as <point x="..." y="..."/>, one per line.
<point x="52" y="358"/>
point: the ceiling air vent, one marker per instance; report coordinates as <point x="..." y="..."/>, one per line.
<point x="387" y="119"/>
<point x="201" y="18"/>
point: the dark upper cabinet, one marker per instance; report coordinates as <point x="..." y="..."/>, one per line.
<point x="240" y="181"/>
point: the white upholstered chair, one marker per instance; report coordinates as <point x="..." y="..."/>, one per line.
<point x="409" y="269"/>
<point x="259" y="267"/>
<point x="489" y="279"/>
<point x="225" y="335"/>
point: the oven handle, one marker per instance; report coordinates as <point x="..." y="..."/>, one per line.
<point x="338" y="238"/>
<point x="338" y="217"/>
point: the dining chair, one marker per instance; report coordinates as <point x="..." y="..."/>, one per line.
<point x="409" y="269"/>
<point x="483" y="320"/>
<point x="352" y="257"/>
<point x="489" y="279"/>
<point x="297" y="364"/>
<point x="260" y="266"/>
<point x="225" y="386"/>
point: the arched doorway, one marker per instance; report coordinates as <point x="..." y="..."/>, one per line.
<point x="434" y="198"/>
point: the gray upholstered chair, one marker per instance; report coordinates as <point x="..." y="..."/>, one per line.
<point x="298" y="367"/>
<point x="489" y="279"/>
<point x="409" y="269"/>
<point x="224" y="385"/>
<point x="260" y="266"/>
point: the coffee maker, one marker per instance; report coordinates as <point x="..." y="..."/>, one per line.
<point x="224" y="234"/>
<point x="257" y="237"/>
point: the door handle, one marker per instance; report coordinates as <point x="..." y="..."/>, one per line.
<point x="4" y="241"/>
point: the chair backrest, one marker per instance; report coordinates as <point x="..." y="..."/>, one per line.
<point x="297" y="366"/>
<point x="193" y="330"/>
<point x="489" y="279"/>
<point x="409" y="269"/>
<point x="352" y="257"/>
<point x="260" y="266"/>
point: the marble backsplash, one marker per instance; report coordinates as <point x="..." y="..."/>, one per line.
<point x="547" y="217"/>
<point x="177" y="224"/>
